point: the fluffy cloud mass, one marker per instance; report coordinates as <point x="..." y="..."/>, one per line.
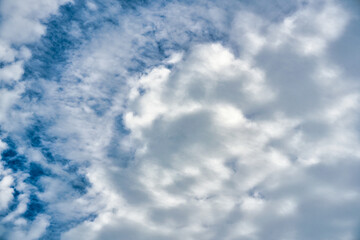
<point x="177" y="120"/>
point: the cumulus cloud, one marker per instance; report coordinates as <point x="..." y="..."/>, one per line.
<point x="176" y="120"/>
<point x="231" y="147"/>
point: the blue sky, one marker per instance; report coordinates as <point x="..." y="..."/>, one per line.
<point x="210" y="120"/>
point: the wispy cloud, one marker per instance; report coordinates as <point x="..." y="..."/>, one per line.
<point x="179" y="120"/>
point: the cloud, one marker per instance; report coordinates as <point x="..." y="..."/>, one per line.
<point x="176" y="120"/>
<point x="227" y="145"/>
<point x="21" y="21"/>
<point x="35" y="232"/>
<point x="6" y="191"/>
<point x="22" y="24"/>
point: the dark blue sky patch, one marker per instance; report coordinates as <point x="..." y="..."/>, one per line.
<point x="8" y="153"/>
<point x="50" y="56"/>
<point x="54" y="158"/>
<point x="13" y="160"/>
<point x="32" y="95"/>
<point x="56" y="227"/>
<point x="9" y="85"/>
<point x="33" y="135"/>
<point x="133" y="4"/>
<point x="51" y="53"/>
<point x="78" y="181"/>
<point x="141" y="91"/>
<point x="36" y="171"/>
<point x="34" y="207"/>
<point x="9" y="142"/>
<point x="48" y="155"/>
<point x="120" y="126"/>
<point x="80" y="184"/>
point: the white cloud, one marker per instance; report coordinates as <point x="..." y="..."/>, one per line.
<point x="12" y="72"/>
<point x="21" y="20"/>
<point x="6" y="191"/>
<point x="243" y="136"/>
<point x="22" y="23"/>
<point x="237" y="147"/>
<point x="7" y="54"/>
<point x="35" y="232"/>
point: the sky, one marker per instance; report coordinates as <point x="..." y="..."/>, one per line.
<point x="179" y="120"/>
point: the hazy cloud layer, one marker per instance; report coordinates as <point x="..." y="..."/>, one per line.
<point x="179" y="120"/>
